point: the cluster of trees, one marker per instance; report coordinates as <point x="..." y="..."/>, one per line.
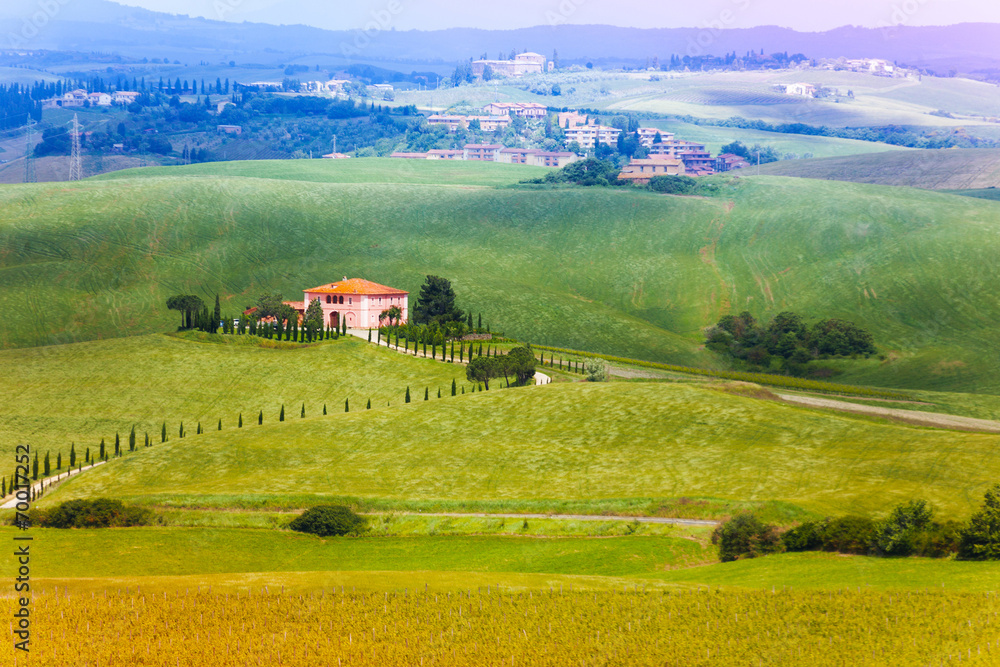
<point x="519" y="363"/>
<point x="94" y="513"/>
<point x="910" y="529"/>
<point x="17" y="106"/>
<point x="786" y="343"/>
<point x="592" y="171"/>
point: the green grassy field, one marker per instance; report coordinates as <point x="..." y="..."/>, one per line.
<point x="532" y="449"/>
<point x="87" y="391"/>
<point x="952" y="170"/>
<point x="183" y="551"/>
<point x="645" y="272"/>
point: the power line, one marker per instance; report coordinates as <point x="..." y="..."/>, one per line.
<point x="29" y="158"/>
<point x="75" y="161"/>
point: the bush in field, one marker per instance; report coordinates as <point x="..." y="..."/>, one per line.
<point x="596" y="370"/>
<point x="326" y="520"/>
<point x="896" y="535"/>
<point x="745" y="536"/>
<point x="96" y="513"/>
<point x="980" y="539"/>
<point x="846" y="534"/>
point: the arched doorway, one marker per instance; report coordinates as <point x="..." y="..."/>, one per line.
<point x="334" y="320"/>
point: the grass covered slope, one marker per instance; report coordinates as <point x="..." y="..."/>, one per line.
<point x="87" y="391"/>
<point x="966" y="169"/>
<point x="565" y="442"/>
<point x="355" y="170"/>
<point x="607" y="270"/>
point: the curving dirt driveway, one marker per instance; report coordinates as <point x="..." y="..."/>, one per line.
<point x="917" y="417"/>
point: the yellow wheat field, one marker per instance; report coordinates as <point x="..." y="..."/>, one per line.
<point x="484" y="627"/>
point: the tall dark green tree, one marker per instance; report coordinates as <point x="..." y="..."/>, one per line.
<point x="188" y="305"/>
<point x="369" y="406"/>
<point x="260" y="418"/>
<point x="220" y="425"/>
<point x="163" y="433"/>
<point x="347" y="405"/>
<point x="436" y="302"/>
<point x="426" y="393"/>
<point x="239" y="424"/>
<point x="303" y="414"/>
<point x="131" y="440"/>
<point x="454" y="387"/>
<point x="72" y="455"/>
<point x="281" y="415"/>
<point x="217" y="313"/>
<point x="407" y="399"/>
<point x="118" y="444"/>
<point x="100" y="454"/>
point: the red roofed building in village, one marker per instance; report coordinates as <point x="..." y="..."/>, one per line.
<point x="357" y="300"/>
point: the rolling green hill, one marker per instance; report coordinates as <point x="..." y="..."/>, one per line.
<point x="87" y="391"/>
<point x="609" y="270"/>
<point x="540" y="448"/>
<point x="967" y="169"/>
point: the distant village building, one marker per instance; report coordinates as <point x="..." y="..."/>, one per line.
<point x="574" y="119"/>
<point x="482" y="152"/>
<point x="125" y="96"/>
<point x="647" y="135"/>
<point x="641" y="171"/>
<point x="336" y="156"/>
<point x="357" y="301"/>
<point x="486" y="123"/>
<point x="99" y="99"/>
<point x="588" y="136"/>
<point x="522" y="109"/>
<point x="523" y="63"/>
<point x="229" y="129"/>
<point x="495" y="153"/>
<point x="801" y="90"/>
<point x="728" y="162"/>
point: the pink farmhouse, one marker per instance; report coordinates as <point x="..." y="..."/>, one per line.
<point x="357" y="300"/>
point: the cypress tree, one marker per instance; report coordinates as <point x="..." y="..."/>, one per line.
<point x="469" y="323"/>
<point x="218" y="314"/>
<point x="118" y="446"/>
<point x="480" y="350"/>
<point x="439" y="392"/>
<point x="452" y="350"/>
<point x="324" y="408"/>
<point x="347" y="405"/>
<point x="345" y="326"/>
<point x="3" y="488"/>
<point x="146" y="444"/>
<point x="426" y="393"/>
<point x="454" y="387"/>
<point x="72" y="455"/>
<point x="181" y="430"/>
<point x="58" y="460"/>
<point x="102" y="449"/>
<point x="260" y="418"/>
<point x="281" y="416"/>
<point x="303" y="411"/>
<point x="87" y="459"/>
<point x="240" y="423"/>
<point x="369" y="335"/>
<point x="434" y="349"/>
<point x="198" y="430"/>
<point x="131" y="439"/>
<point x="369" y="406"/>
<point x="220" y="424"/>
<point x="463" y="389"/>
<point x="407" y="399"/>
<point x="461" y="350"/>
<point x="425" y="347"/>
<point x="378" y="337"/>
<point x="480" y="327"/>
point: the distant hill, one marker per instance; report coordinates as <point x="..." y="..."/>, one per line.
<point x="624" y="272"/>
<point x="930" y="169"/>
<point x="103" y="26"/>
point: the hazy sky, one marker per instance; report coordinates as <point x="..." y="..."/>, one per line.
<point x="808" y="15"/>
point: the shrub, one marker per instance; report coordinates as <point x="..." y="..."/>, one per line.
<point x="805" y="537"/>
<point x="96" y="513"/>
<point x="326" y="520"/>
<point x="849" y="535"/>
<point x="980" y="539"/>
<point x="596" y="370"/>
<point x="897" y="534"/>
<point x="745" y="536"/>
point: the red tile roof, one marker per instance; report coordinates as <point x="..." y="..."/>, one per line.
<point x="355" y="286"/>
